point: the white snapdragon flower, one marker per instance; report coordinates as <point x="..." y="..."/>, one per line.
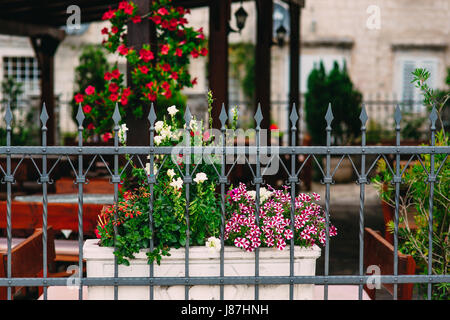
<point x="177" y="184"/>
<point x="158" y="140"/>
<point x="171" y="173"/>
<point x="172" y="110"/>
<point x="213" y="244"/>
<point x="200" y="177"/>
<point x="123" y="133"/>
<point x="158" y="126"/>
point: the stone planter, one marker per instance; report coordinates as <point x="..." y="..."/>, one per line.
<point x="202" y="263"/>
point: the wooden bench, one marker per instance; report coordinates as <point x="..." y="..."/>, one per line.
<point x="27" y="261"/>
<point x="378" y="251"/>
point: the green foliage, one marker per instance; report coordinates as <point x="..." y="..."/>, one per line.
<point x="415" y="196"/>
<point x="169" y="204"/>
<point x="336" y="88"/>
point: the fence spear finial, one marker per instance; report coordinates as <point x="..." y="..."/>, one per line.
<point x="80" y="116"/>
<point x="294" y="116"/>
<point x="433" y="117"/>
<point x="116" y="115"/>
<point x="397" y="116"/>
<point x="258" y="116"/>
<point x="223" y="116"/>
<point x="329" y="116"/>
<point x="8" y="115"/>
<point x="152" y="115"/>
<point x="44" y="116"/>
<point x="187" y="116"/>
<point x="363" y="116"/>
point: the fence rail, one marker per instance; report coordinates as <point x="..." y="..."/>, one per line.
<point x="311" y="154"/>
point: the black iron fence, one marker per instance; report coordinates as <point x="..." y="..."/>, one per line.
<point x="311" y="153"/>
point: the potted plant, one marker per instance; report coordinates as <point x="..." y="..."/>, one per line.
<point x="130" y="215"/>
<point x="415" y="197"/>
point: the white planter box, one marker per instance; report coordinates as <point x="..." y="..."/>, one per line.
<point x="202" y="262"/>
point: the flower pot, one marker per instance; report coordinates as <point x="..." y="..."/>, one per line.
<point x="202" y="263"/>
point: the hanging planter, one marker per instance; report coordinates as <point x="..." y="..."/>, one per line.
<point x="202" y="263"/>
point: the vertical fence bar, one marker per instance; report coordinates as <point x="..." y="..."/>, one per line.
<point x="187" y="182"/>
<point x="397" y="181"/>
<point x="44" y="180"/>
<point x="362" y="184"/>
<point x="223" y="180"/>
<point x="327" y="179"/>
<point x="431" y="180"/>
<point x="151" y="182"/>
<point x="8" y="179"/>
<point x="293" y="179"/>
<point x="80" y="181"/>
<point x="258" y="180"/>
<point x="116" y="180"/>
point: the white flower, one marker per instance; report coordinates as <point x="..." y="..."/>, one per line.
<point x="177" y="184"/>
<point x="147" y="168"/>
<point x="158" y="126"/>
<point x="158" y="140"/>
<point x="123" y="133"/>
<point x="171" y="173"/>
<point x="200" y="177"/>
<point x="213" y="244"/>
<point x="166" y="132"/>
<point x="172" y="110"/>
<point x="264" y="194"/>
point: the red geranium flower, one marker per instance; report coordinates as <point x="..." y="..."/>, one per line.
<point x="173" y="22"/>
<point x="174" y="75"/>
<point x="90" y="90"/>
<point x="124" y="100"/>
<point x="204" y="52"/>
<point x="164" y="49"/>
<point x="108" y="76"/>
<point x="113" y="96"/>
<point x="168" y="94"/>
<point x="123" y="50"/>
<point x="166" y="67"/>
<point x="156" y="19"/>
<point x="136" y="19"/>
<point x="165" y="85"/>
<point x="128" y="10"/>
<point x="165" y="24"/>
<point x="194" y="53"/>
<point x="180" y="10"/>
<point x="106" y="136"/>
<point x="113" y="87"/>
<point x="90" y="126"/>
<point x="105" y="31"/>
<point x="108" y="14"/>
<point x="273" y="127"/>
<point x="79" y="98"/>
<point x="143" y="69"/>
<point x="115" y="73"/>
<point x="163" y="11"/>
<point x="194" y="82"/>
<point x="114" y="29"/>
<point x="151" y="96"/>
<point x="123" y="5"/>
<point x="178" y="52"/>
<point x="182" y="21"/>
<point x="87" y="108"/>
<point x="146" y="55"/>
<point x="126" y="92"/>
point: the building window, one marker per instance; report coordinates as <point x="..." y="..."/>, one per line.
<point x="410" y="95"/>
<point x="24" y="70"/>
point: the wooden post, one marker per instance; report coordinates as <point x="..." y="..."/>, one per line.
<point x="139" y="34"/>
<point x="263" y="58"/>
<point x="45" y="48"/>
<point x="219" y="15"/>
<point x="294" y="70"/>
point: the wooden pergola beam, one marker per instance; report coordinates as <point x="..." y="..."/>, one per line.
<point x="30" y="30"/>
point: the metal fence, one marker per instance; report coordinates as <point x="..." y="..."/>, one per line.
<point x="312" y="153"/>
